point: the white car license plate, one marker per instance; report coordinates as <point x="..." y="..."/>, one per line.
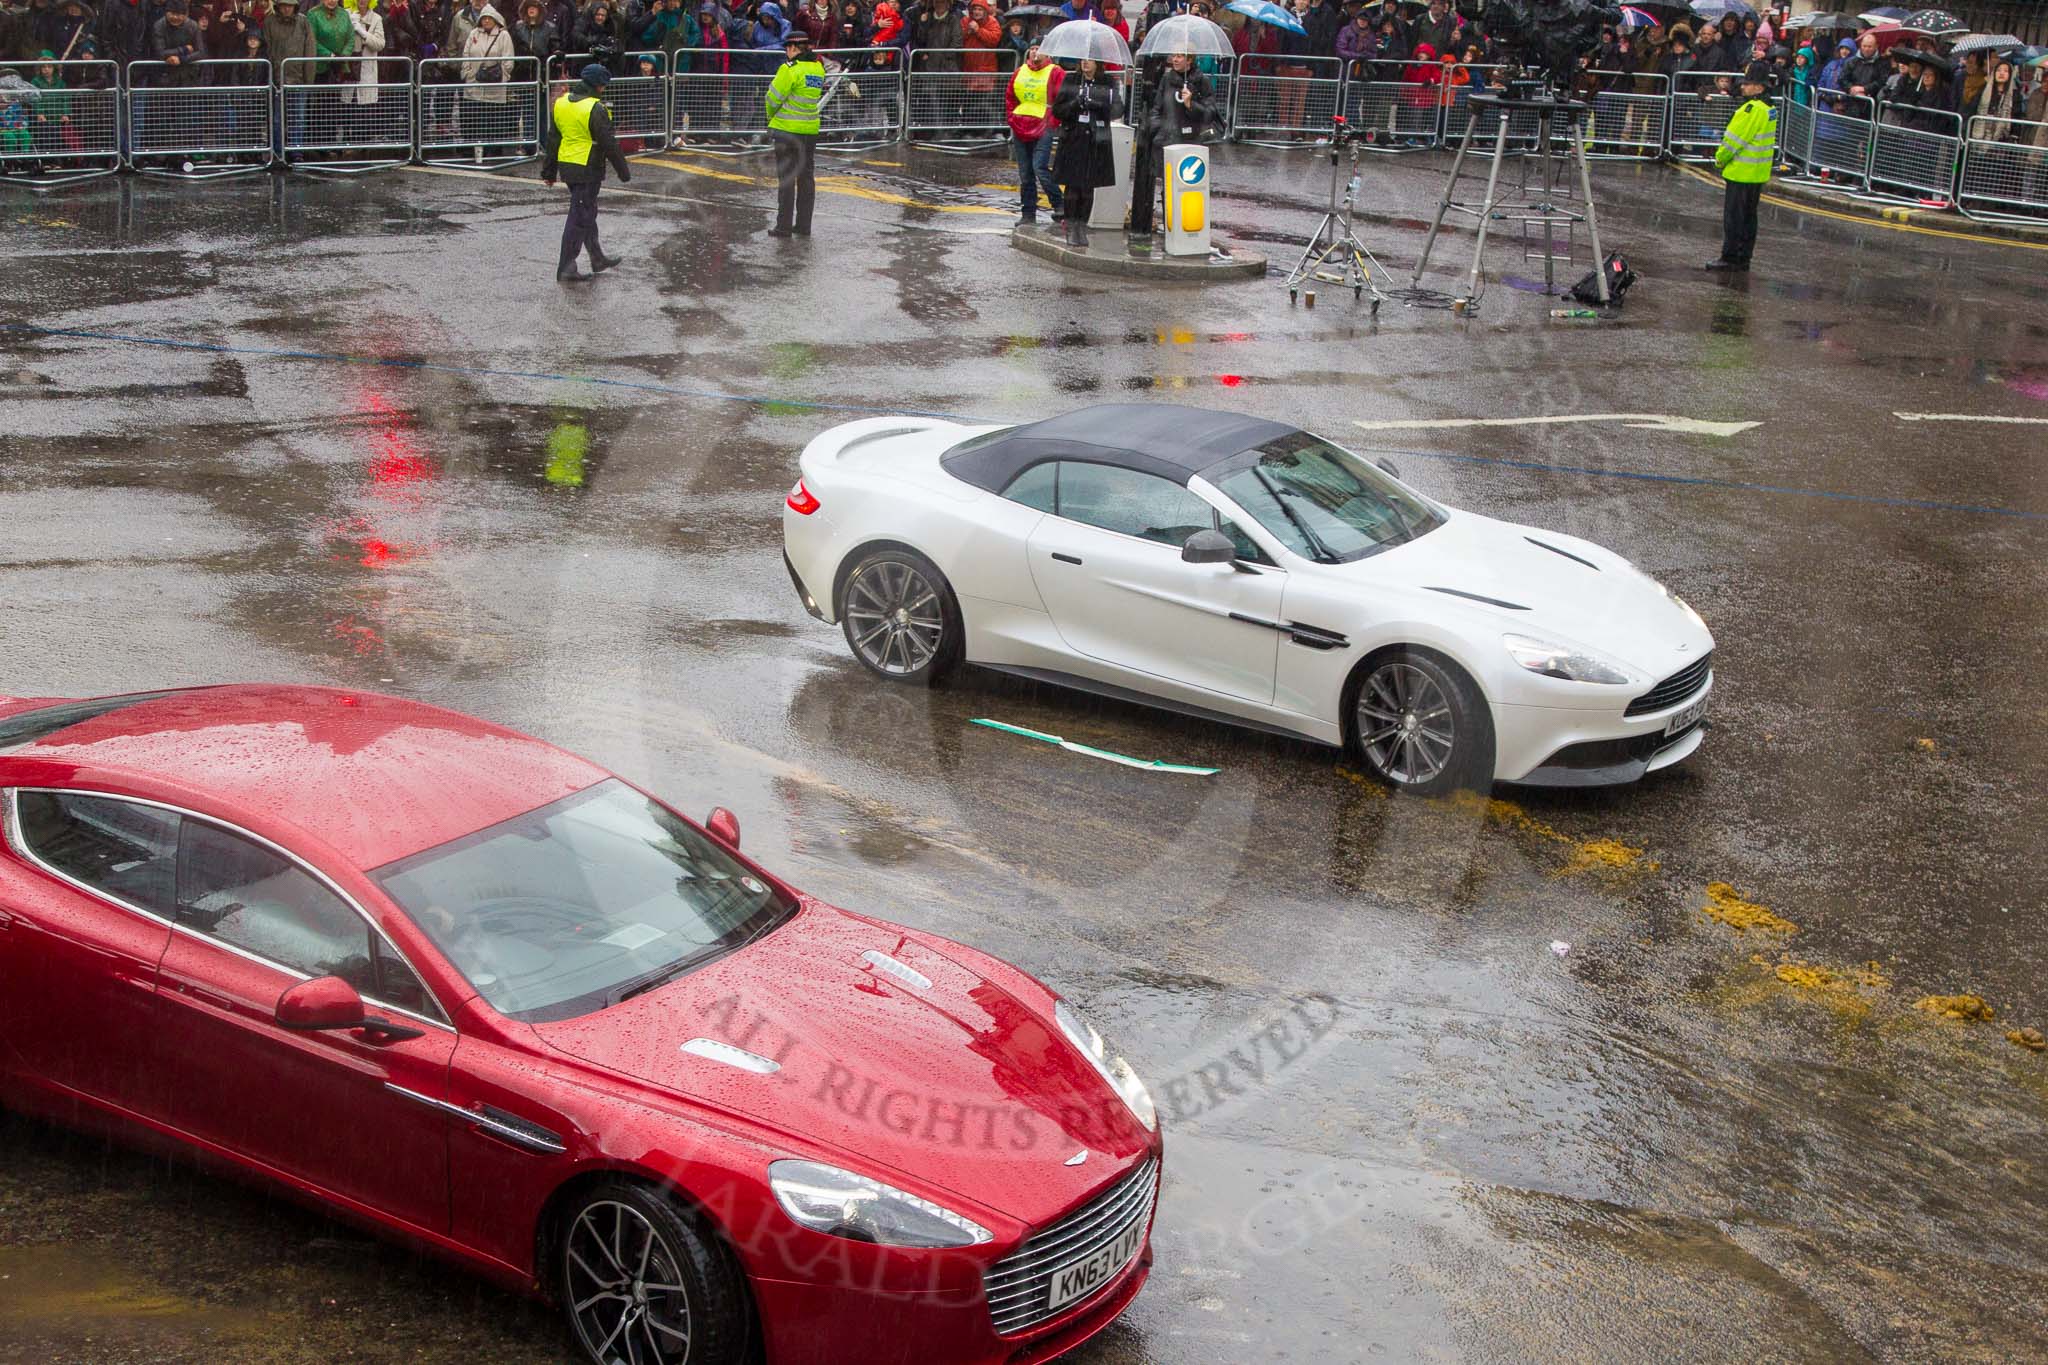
<point x="1080" y="1278"/>
<point x="1690" y="715"/>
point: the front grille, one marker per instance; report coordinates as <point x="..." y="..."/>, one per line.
<point x="1019" y="1284"/>
<point x="1674" y="689"/>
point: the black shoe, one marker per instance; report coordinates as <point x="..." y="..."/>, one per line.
<point x="1718" y="264"/>
<point x="780" y="231"/>
<point x="1028" y="220"/>
<point x="571" y="276"/>
<point x="802" y="231"/>
<point x="600" y="264"/>
<point x="1738" y="265"/>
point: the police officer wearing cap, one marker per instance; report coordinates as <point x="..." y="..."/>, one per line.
<point x="1748" y="150"/>
<point x="579" y="141"/>
<point x="793" y="103"/>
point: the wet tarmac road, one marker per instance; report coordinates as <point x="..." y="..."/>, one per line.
<point x="386" y="450"/>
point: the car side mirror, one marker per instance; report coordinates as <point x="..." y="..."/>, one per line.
<point x="724" y="826"/>
<point x="325" y="1002"/>
<point x="1209" y="547"/>
<point x="1389" y="466"/>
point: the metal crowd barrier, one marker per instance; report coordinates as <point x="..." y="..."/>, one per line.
<point x="638" y="104"/>
<point x="198" y="120"/>
<point x="957" y="110"/>
<point x="1909" y="163"/>
<point x="1795" y="138"/>
<point x="2004" y="176"/>
<point x="716" y="110"/>
<point x="1839" y="144"/>
<point x="1272" y="109"/>
<point x="353" y="117"/>
<point x="473" y="112"/>
<point x="1397" y="116"/>
<point x="69" y="131"/>
<point x="1629" y="125"/>
<point x="1702" y="102"/>
<point x="864" y="105"/>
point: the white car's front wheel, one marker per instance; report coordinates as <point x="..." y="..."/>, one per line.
<point x="1420" y="724"/>
<point x="899" y="616"/>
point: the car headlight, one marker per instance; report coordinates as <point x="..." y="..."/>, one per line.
<point x="1114" y="1069"/>
<point x="1561" y="661"/>
<point x="845" y="1204"/>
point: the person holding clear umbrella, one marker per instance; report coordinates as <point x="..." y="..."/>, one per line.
<point x="1088" y="103"/>
<point x="1175" y="105"/>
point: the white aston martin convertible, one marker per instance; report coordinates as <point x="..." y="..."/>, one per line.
<point x="1250" y="572"/>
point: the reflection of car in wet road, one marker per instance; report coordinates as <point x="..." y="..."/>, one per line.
<point x="478" y="994"/>
<point x="1248" y="571"/>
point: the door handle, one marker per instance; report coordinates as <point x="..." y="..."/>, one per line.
<point x="1066" y="559"/>
<point x="201" y="995"/>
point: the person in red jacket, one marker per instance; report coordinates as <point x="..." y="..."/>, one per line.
<point x="1028" y="96"/>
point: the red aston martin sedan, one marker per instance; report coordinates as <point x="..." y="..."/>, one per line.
<point x="457" y="985"/>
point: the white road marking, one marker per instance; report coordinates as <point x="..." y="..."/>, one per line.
<point x="1969" y="417"/>
<point x="1641" y="421"/>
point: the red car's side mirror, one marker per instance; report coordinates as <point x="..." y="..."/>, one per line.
<point x="325" y="1002"/>
<point x="724" y="826"/>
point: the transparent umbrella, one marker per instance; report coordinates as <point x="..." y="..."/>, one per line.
<point x="1084" y="40"/>
<point x="1186" y="33"/>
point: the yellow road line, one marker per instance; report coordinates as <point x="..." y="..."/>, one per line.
<point x="1797" y="206"/>
<point x="830" y="184"/>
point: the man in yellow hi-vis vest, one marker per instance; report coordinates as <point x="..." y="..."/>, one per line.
<point x="1748" y="149"/>
<point x="579" y="142"/>
<point x="793" y="102"/>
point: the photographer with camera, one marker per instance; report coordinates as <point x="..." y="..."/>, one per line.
<point x="1182" y="104"/>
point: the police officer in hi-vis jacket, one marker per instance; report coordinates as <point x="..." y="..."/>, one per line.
<point x="578" y="144"/>
<point x="1747" y="152"/>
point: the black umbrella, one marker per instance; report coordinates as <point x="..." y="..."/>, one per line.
<point x="1825" y="23"/>
<point x="1914" y="54"/>
<point x="1935" y="23"/>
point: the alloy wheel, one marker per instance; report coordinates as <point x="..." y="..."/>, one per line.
<point x="896" y="619"/>
<point x="626" y="1293"/>
<point x="1405" y="723"/>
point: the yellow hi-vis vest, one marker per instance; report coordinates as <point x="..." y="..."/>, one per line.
<point x="1750" y="145"/>
<point x="1030" y="87"/>
<point x="572" y="121"/>
<point x="794" y="96"/>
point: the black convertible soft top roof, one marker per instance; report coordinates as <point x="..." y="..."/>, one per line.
<point x="1167" y="439"/>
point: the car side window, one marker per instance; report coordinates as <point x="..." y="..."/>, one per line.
<point x="1131" y="503"/>
<point x="237" y="891"/>
<point x="123" y="849"/>
<point x="1035" y="486"/>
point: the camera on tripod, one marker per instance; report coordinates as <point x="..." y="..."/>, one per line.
<point x="1340" y="132"/>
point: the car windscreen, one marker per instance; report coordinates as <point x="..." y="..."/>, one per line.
<point x="1321" y="501"/>
<point x="581" y="903"/>
<point x="27" y="727"/>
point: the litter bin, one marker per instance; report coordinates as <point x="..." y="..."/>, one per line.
<point x="1113" y="202"/>
<point x="1187" y="199"/>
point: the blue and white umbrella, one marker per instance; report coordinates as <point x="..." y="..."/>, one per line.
<point x="1268" y="13"/>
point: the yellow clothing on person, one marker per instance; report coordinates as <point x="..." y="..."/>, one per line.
<point x="794" y="97"/>
<point x="1030" y="88"/>
<point x="1750" y="145"/>
<point x="572" y="121"/>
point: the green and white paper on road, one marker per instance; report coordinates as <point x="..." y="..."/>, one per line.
<point x="1152" y="764"/>
<point x="1641" y="421"/>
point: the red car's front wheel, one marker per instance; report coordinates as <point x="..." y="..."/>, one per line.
<point x="642" y="1284"/>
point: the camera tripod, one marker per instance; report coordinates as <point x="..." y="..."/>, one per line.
<point x="1356" y="267"/>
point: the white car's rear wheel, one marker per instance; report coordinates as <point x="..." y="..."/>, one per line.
<point x="899" y="616"/>
<point x="1421" y="726"/>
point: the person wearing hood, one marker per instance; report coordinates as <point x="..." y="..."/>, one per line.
<point x="793" y="103"/>
<point x="286" y="35"/>
<point x="1828" y="85"/>
<point x="981" y="34"/>
<point x="886" y="36"/>
<point x="122" y="28"/>
<point x="1998" y="105"/>
<point x="598" y="36"/>
<point x="533" y="36"/>
<point x="1357" y="45"/>
<point x="1029" y="97"/>
<point x="849" y="29"/>
<point x="1803" y="76"/>
<point x="578" y="144"/>
<point x="486" y="93"/>
<point x="1748" y="150"/>
<point x="69" y="22"/>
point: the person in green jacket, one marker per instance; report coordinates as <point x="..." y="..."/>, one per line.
<point x="333" y="36"/>
<point x="793" y="102"/>
<point x="1748" y="150"/>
